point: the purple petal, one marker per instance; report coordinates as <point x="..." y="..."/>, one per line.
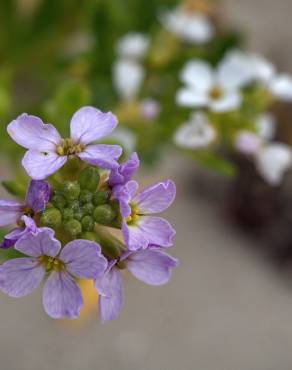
<point x="41" y="244"/>
<point x="31" y="133"/>
<point x="111" y="294"/>
<point x="124" y="194"/>
<point x="134" y="237"/>
<point x="20" y="276"/>
<point x="19" y="232"/>
<point x="122" y="174"/>
<point x="83" y="259"/>
<point x="89" y="124"/>
<point x="10" y="212"/>
<point x="157" y="231"/>
<point x="7" y="243"/>
<point x="41" y="165"/>
<point x="151" y="266"/>
<point x="101" y="155"/>
<point x="156" y="198"/>
<point x="61" y="296"/>
<point x="38" y="195"/>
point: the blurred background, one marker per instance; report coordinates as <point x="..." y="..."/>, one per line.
<point x="227" y="307"/>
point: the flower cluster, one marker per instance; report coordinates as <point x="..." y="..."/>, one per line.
<point x="79" y="192"/>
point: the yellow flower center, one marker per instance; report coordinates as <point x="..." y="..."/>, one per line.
<point x="69" y="148"/>
<point x="51" y="263"/>
<point x="133" y="216"/>
<point x="215" y="93"/>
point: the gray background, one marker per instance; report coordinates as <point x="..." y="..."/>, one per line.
<point x="225" y="308"/>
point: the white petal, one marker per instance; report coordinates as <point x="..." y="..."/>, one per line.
<point x="133" y="45"/>
<point x="273" y="161"/>
<point x="229" y="101"/>
<point x="266" y="126"/>
<point x="198" y="75"/>
<point x="190" y="98"/>
<point x="281" y="87"/>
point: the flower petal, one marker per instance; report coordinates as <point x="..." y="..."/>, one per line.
<point x="155" y="198"/>
<point x="187" y="97"/>
<point x="125" y="171"/>
<point x="281" y="87"/>
<point x="17" y="233"/>
<point x="111" y="294"/>
<point x="229" y="101"/>
<point x="31" y="133"/>
<point x="151" y="266"/>
<point x="156" y="230"/>
<point x="41" y="165"/>
<point x="266" y="126"/>
<point x="198" y="75"/>
<point x="41" y="244"/>
<point x="20" y="276"/>
<point x="61" y="296"/>
<point x="134" y="237"/>
<point x="38" y="195"/>
<point x="89" y="124"/>
<point x="10" y="212"/>
<point x="102" y="155"/>
<point x="83" y="259"/>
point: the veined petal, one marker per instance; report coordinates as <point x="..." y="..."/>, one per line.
<point x="151" y="266"/>
<point x="198" y="75"/>
<point x="156" y="230"/>
<point x="40" y="244"/>
<point x="125" y="171"/>
<point x="155" y="198"/>
<point x="61" y="296"/>
<point x="102" y="155"/>
<point x="31" y="133"/>
<point x="134" y="237"/>
<point x="89" y="124"/>
<point x="20" y="276"/>
<point x="39" y="165"/>
<point x="111" y="294"/>
<point x="83" y="259"/>
<point x="10" y="212"/>
<point x="38" y="195"/>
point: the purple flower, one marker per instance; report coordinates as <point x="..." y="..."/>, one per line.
<point x="61" y="295"/>
<point x="47" y="151"/>
<point x="12" y="212"/>
<point x="140" y="229"/>
<point x="122" y="174"/>
<point x="151" y="266"/>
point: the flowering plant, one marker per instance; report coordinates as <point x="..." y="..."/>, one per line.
<point x="77" y="195"/>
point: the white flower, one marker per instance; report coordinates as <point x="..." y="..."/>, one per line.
<point x="251" y="67"/>
<point x="205" y="87"/>
<point x="133" y="46"/>
<point x="272" y="161"/>
<point x="196" y="133"/>
<point x="266" y="126"/>
<point x="190" y="27"/>
<point x="127" y="78"/>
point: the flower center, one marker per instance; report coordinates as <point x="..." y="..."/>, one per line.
<point x="68" y="148"/>
<point x="51" y="263"/>
<point x="215" y="93"/>
<point x="133" y="216"/>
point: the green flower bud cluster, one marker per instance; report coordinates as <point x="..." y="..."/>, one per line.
<point x="77" y="206"/>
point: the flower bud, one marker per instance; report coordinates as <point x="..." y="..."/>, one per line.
<point x="68" y="214"/>
<point x="87" y="223"/>
<point x="89" y="178"/>
<point x="85" y="196"/>
<point x="88" y="209"/>
<point x="78" y="215"/>
<point x="58" y="201"/>
<point x="71" y="190"/>
<point x="51" y="217"/>
<point x="101" y="197"/>
<point x="74" y="206"/>
<point x="104" y="214"/>
<point x="73" y="227"/>
<point x="90" y="235"/>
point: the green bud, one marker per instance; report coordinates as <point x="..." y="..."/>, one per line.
<point x="89" y="178"/>
<point x="51" y="217"/>
<point x="68" y="214"/>
<point x="101" y="197"/>
<point x="58" y="201"/>
<point x="71" y="190"/>
<point x="87" y="223"/>
<point x="104" y="214"/>
<point x="90" y="235"/>
<point x="14" y="188"/>
<point x="74" y="206"/>
<point x="88" y="209"/>
<point x="79" y="215"/>
<point x="73" y="227"/>
<point x="85" y="196"/>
